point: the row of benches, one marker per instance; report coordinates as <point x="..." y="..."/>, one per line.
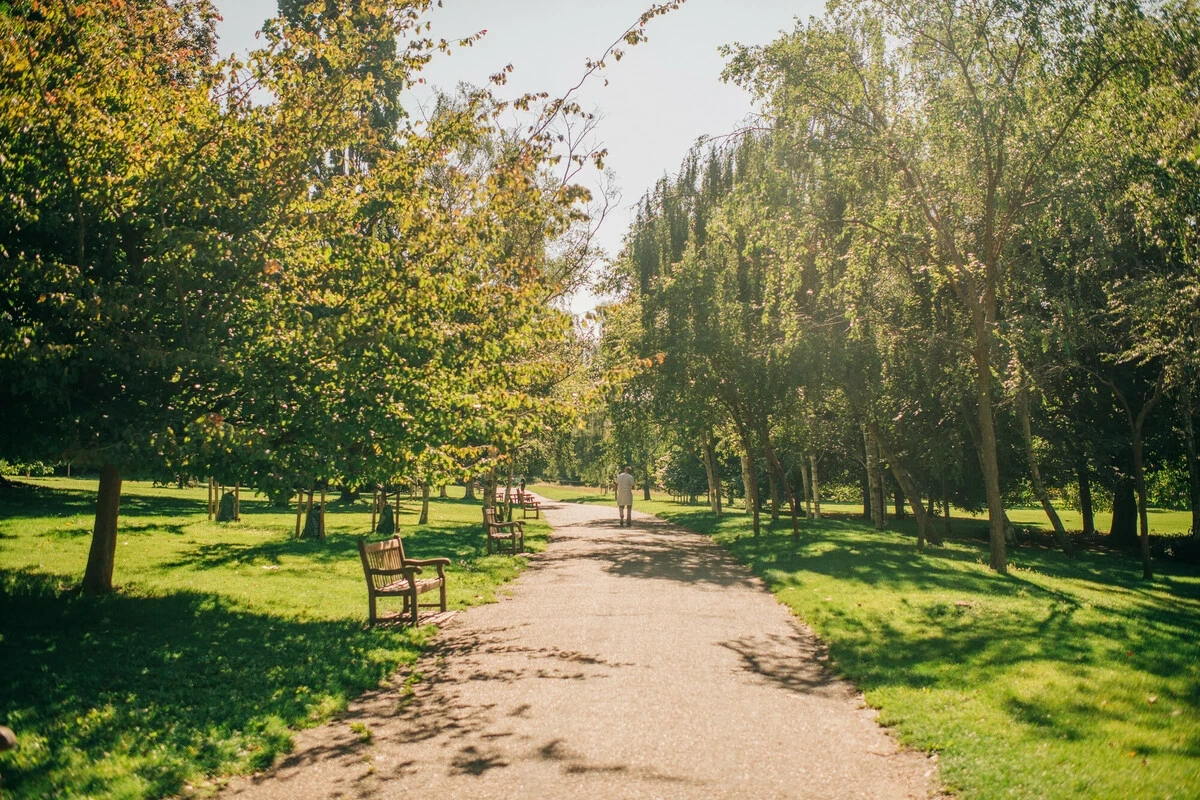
<point x="389" y="573"/>
<point x="524" y="499"/>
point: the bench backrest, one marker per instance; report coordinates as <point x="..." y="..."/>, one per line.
<point x="386" y="555"/>
<point x="489" y="518"/>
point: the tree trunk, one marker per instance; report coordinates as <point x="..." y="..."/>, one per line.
<point x="713" y="490"/>
<point x="775" y="468"/>
<point x="1124" y="513"/>
<point x="987" y="445"/>
<point x="424" y="520"/>
<point x="750" y="479"/>
<point x="1085" y="496"/>
<point x="508" y="506"/>
<point x="945" y="508"/>
<point x="773" y="490"/>
<point x="1035" y="474"/>
<point x="469" y="489"/>
<point x="374" y="507"/>
<point x="924" y="526"/>
<point x="898" y="501"/>
<point x="875" y="479"/>
<point x="1139" y="480"/>
<point x="864" y="485"/>
<point x="1193" y="459"/>
<point x="442" y="493"/>
<point x="804" y="481"/>
<point x="97" y="578"/>
<point x="816" y="487"/>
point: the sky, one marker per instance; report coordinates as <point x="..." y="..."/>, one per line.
<point x="660" y="98"/>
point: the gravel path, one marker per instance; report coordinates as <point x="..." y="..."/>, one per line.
<point x="637" y="662"/>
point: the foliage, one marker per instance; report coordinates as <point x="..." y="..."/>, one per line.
<point x="950" y="213"/>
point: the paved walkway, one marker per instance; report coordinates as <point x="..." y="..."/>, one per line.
<point x="630" y="663"/>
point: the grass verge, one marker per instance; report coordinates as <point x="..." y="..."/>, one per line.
<point x="1067" y="678"/>
<point x="221" y="639"/>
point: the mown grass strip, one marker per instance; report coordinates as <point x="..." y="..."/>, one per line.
<point x="1065" y="679"/>
<point x="222" y="638"/>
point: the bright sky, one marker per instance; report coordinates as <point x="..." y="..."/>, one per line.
<point x="661" y="97"/>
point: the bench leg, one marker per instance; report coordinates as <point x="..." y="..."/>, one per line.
<point x="413" y="596"/>
<point x="443" y="593"/>
<point x="371" y="604"/>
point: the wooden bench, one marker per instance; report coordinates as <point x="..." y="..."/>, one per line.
<point x="498" y="532"/>
<point x="390" y="574"/>
<point x="527" y="504"/>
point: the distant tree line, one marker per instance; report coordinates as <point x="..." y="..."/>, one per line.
<point x="954" y="260"/>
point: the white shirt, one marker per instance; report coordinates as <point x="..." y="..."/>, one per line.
<point x="625" y="489"/>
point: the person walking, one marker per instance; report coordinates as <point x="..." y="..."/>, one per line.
<point x="625" y="496"/>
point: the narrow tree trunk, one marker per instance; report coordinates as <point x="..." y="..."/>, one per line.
<point x="805" y="486"/>
<point x="898" y="501"/>
<point x="374" y="507"/>
<point x="773" y="489"/>
<point x="775" y="468"/>
<point x="237" y="502"/>
<point x="442" y="493"/>
<point x="300" y="513"/>
<point x="469" y="489"/>
<point x="988" y="459"/>
<point x="816" y="488"/>
<point x="945" y="508"/>
<point x="750" y="479"/>
<point x="1139" y="479"/>
<point x="924" y="526"/>
<point x="714" y="485"/>
<point x="1035" y="474"/>
<point x="424" y="520"/>
<point x="508" y="486"/>
<point x="875" y="479"/>
<point x="321" y="520"/>
<point x="864" y="485"/>
<point x="1193" y="459"/>
<point x="1085" y="496"/>
<point x="97" y="578"/>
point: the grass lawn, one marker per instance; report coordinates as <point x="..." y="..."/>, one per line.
<point x="1065" y="679"/>
<point x="220" y="639"/>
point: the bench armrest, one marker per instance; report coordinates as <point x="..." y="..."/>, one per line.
<point x="516" y="522"/>
<point x="428" y="562"/>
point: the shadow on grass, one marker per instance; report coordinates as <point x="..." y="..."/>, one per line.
<point x="163" y="688"/>
<point x="939" y="618"/>
<point x="26" y="501"/>
<point x="455" y="541"/>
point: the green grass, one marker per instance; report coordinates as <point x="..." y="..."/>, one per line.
<point x="221" y="639"/>
<point x="1065" y="679"/>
